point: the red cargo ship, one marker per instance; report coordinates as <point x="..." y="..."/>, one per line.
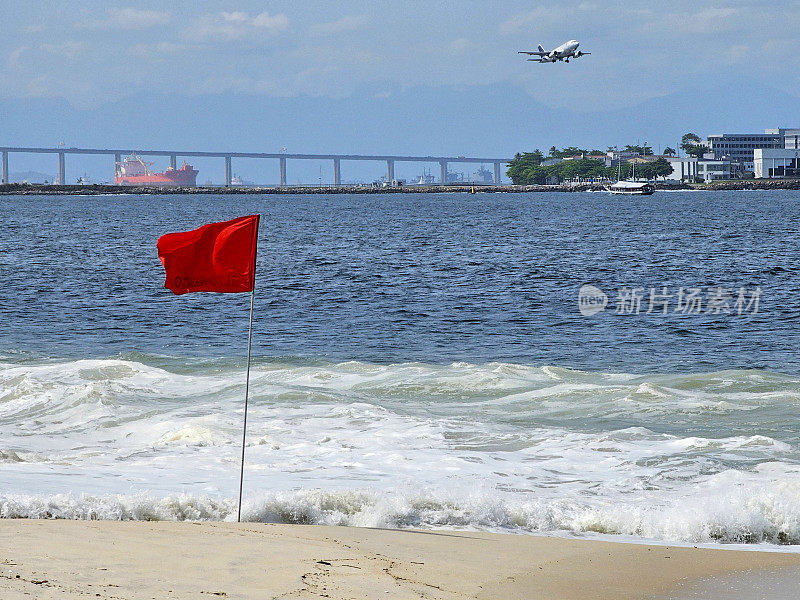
<point x="134" y="171"/>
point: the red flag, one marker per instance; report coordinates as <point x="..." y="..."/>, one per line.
<point x="218" y="257"/>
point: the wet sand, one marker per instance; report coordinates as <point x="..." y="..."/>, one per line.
<point x="144" y="560"/>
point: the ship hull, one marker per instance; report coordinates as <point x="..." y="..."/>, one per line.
<point x="178" y="178"/>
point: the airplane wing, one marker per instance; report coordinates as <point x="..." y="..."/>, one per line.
<point x="534" y="53"/>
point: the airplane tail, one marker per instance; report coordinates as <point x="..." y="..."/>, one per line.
<point x="540" y="48"/>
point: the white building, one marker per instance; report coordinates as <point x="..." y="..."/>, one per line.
<point x="739" y="147"/>
<point x="713" y="170"/>
<point x="690" y="168"/>
<point x="773" y="163"/>
<point x="683" y="169"/>
<point x="790" y="137"/>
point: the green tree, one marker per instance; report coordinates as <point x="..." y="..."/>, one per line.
<point x="526" y="169"/>
<point x="669" y="151"/>
<point x="571" y="151"/>
<point x="691" y="144"/>
<point x="584" y="168"/>
<point x="644" y="171"/>
<point x="521" y="164"/>
<point x="553" y="150"/>
<point x="645" y="150"/>
<point x="569" y="170"/>
<point x="661" y="167"/>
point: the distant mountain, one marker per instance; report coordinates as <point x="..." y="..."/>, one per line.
<point x="729" y="108"/>
<point x="30" y="177"/>
<point x="494" y="120"/>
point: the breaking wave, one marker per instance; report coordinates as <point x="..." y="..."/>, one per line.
<point x="736" y="516"/>
<point x="696" y="458"/>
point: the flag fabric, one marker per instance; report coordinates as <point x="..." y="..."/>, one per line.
<point x="218" y="257"/>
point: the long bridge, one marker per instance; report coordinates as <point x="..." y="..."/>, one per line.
<point x="228" y="157"/>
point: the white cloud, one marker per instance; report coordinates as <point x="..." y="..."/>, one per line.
<point x="13" y="57"/>
<point x="739" y="53"/>
<point x="38" y="86"/>
<point x="348" y="23"/>
<point x="537" y="16"/>
<point x="555" y="15"/>
<point x="459" y="46"/>
<point x="274" y="23"/>
<point x="559" y="16"/>
<point x="705" y="21"/>
<point x="236" y="26"/>
<point x="227" y="83"/>
<point x="235" y="17"/>
<point x="155" y="50"/>
<point x="131" y="18"/>
<point x="777" y="46"/>
<point x="69" y="49"/>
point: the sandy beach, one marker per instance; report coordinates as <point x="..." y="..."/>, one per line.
<point x="159" y="560"/>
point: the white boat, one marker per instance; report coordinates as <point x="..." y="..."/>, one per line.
<point x="426" y="178"/>
<point x="236" y="180"/>
<point x="632" y="188"/>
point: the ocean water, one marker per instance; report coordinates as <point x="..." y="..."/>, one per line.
<point x="420" y="361"/>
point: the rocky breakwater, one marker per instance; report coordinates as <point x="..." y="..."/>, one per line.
<point x="84" y="190"/>
<point x="753" y="184"/>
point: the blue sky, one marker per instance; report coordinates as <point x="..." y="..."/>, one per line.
<point x="92" y="52"/>
<point x="95" y="54"/>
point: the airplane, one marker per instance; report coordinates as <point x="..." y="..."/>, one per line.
<point x="564" y="52"/>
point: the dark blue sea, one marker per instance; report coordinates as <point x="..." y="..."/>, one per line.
<point x="407" y="277"/>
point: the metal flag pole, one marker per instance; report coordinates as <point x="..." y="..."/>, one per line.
<point x="246" y="392"/>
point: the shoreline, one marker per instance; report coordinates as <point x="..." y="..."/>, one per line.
<point x="136" y="560"/>
<point x="84" y="190"/>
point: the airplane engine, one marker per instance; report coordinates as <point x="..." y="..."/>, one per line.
<point x="578" y="54"/>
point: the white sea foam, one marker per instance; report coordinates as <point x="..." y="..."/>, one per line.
<point x="696" y="458"/>
<point x="729" y="512"/>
